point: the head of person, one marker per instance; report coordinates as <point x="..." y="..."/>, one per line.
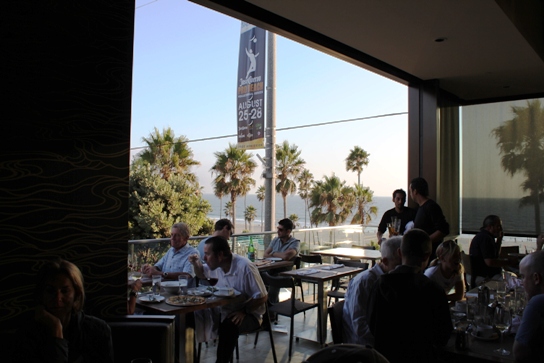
<point x="285" y="226"/>
<point x="216" y="252"/>
<point x="531" y="269"/>
<point x="416" y="248"/>
<point x="399" y="198"/>
<point x="448" y="255"/>
<point x="179" y="235"/>
<point x="224" y="228"/>
<point x="59" y="288"/>
<point x="493" y="225"/>
<point x="390" y="253"/>
<point x="419" y="186"/>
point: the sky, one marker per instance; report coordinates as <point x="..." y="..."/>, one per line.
<point x="184" y="77"/>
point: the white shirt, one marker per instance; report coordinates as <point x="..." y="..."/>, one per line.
<point x="435" y="274"/>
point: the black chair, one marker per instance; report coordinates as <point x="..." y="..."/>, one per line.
<point x="364" y="247"/>
<point x="159" y="332"/>
<point x="335" y="316"/>
<point x="337" y="287"/>
<point x="310" y="260"/>
<point x="291" y="306"/>
<point x="296" y="263"/>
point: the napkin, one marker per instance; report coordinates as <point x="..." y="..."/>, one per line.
<point x="332" y="267"/>
<point x="307" y="272"/>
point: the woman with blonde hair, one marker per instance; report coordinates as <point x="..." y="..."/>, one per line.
<point x="447" y="271"/>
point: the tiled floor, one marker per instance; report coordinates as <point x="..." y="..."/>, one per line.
<point x="262" y="352"/>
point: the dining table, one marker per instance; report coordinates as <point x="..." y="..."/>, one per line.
<point x="320" y="274"/>
<point x="272" y="264"/>
<point x="351" y="253"/>
<point x="185" y="334"/>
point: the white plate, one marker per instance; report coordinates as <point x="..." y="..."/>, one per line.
<point x="494" y="336"/>
<point x="145" y="299"/>
<point x="273" y="259"/>
<point x="199" y="291"/>
<point x="224" y="292"/>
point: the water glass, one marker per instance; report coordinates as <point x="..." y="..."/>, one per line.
<point x="156" y="285"/>
<point x="183" y="282"/>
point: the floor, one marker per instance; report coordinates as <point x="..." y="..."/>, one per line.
<point x="262" y="352"/>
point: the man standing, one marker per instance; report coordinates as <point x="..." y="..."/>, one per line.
<point x="409" y="313"/>
<point x="429" y="216"/>
<point x="242" y="275"/>
<point x="285" y="247"/>
<point x="484" y="250"/>
<point x="356" y="330"/>
<point x="401" y="212"/>
<point x="222" y="228"/>
<point x="528" y="344"/>
<point x="174" y="263"/>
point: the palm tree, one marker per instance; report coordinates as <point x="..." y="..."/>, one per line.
<point x="261" y="194"/>
<point x="356" y="160"/>
<point x="233" y="169"/>
<point x="363" y="197"/>
<point x="289" y="164"/>
<point x="219" y="191"/>
<point x="294" y="218"/>
<point x="168" y="155"/>
<point x="521" y="143"/>
<point x="249" y="215"/>
<point x="332" y="201"/>
<point x="305" y="184"/>
<point x="228" y="209"/>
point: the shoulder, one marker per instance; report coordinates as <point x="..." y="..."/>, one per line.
<point x="92" y="323"/>
<point x="431" y="271"/>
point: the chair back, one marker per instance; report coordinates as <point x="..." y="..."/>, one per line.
<point x="159" y="332"/>
<point x="335" y="316"/>
<point x="364" y="247"/>
<point x="505" y="250"/>
<point x="278" y="281"/>
<point x="296" y="263"/>
<point x="311" y="258"/>
<point x="351" y="263"/>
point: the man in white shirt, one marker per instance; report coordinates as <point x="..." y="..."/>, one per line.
<point x="356" y="330"/>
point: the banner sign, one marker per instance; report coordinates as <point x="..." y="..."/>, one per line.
<point x="250" y="87"/>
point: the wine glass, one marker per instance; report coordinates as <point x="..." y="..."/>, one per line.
<point x="502" y="320"/>
<point x="212" y="281"/>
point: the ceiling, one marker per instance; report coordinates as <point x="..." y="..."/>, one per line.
<point x="491" y="49"/>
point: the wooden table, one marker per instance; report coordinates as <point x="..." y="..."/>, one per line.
<point x="480" y="350"/>
<point x="185" y="335"/>
<point x="275" y="265"/>
<point x="320" y="278"/>
<point x="353" y="253"/>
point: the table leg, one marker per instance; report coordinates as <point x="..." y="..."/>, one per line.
<point x="322" y="311"/>
<point x="185" y="336"/>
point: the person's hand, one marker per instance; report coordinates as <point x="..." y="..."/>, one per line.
<point x="237" y="317"/>
<point x="145" y="269"/>
<point x="50" y="321"/>
<point x="540" y="242"/>
<point x="135" y="285"/>
<point x="194" y="259"/>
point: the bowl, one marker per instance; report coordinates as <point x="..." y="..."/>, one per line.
<point x="171" y="287"/>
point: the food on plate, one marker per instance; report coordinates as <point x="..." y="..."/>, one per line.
<point x="186" y="300"/>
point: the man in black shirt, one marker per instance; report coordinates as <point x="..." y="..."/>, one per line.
<point x="405" y="214"/>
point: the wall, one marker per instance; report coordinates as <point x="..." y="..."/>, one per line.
<point x="67" y="69"/>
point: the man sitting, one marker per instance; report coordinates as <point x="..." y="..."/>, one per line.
<point x="484" y="250"/>
<point x="356" y="330"/>
<point x="222" y="228"/>
<point x="242" y="275"/>
<point x="528" y="344"/>
<point x="409" y="314"/>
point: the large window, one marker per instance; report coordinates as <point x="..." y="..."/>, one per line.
<point x="503" y="165"/>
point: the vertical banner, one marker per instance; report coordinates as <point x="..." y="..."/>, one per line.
<point x="250" y="88"/>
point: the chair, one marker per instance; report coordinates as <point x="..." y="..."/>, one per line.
<point x="467" y="267"/>
<point x="335" y="292"/>
<point x="291" y="306"/>
<point x="159" y="332"/>
<point x="311" y="260"/>
<point x="505" y="250"/>
<point x="335" y="316"/>
<point x="364" y="247"/>
<point x="299" y="282"/>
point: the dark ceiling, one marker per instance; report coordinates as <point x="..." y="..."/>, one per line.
<point x="490" y="49"/>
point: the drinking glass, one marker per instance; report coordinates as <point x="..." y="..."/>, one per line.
<point x="212" y="281"/>
<point x="183" y="282"/>
<point x="502" y="320"/>
<point x="156" y="285"/>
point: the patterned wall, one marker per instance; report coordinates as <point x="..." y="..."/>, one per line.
<point x="67" y="66"/>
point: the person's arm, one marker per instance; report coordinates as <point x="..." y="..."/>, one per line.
<point x="194" y="259"/>
<point x="540" y="242"/>
<point x="252" y="304"/>
<point x="459" y="291"/>
<point x="268" y="252"/>
<point x="133" y="295"/>
<point x="285" y="255"/>
<point x="437" y="236"/>
<point x="521" y="352"/>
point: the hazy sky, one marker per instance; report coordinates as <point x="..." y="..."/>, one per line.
<point x="185" y="70"/>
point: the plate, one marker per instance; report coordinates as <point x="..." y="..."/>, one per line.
<point x="199" y="291"/>
<point x="145" y="299"/>
<point x="225" y="292"/>
<point x="493" y="336"/>
<point x="273" y="259"/>
<point x="185" y="300"/>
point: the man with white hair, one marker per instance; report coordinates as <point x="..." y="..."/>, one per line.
<point x="356" y="330"/>
<point x="528" y="344"/>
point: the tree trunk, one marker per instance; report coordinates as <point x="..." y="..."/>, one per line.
<point x="284" y="206"/>
<point x="537" y="213"/>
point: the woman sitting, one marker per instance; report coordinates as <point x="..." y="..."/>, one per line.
<point x="60" y="331"/>
<point x="446" y="270"/>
